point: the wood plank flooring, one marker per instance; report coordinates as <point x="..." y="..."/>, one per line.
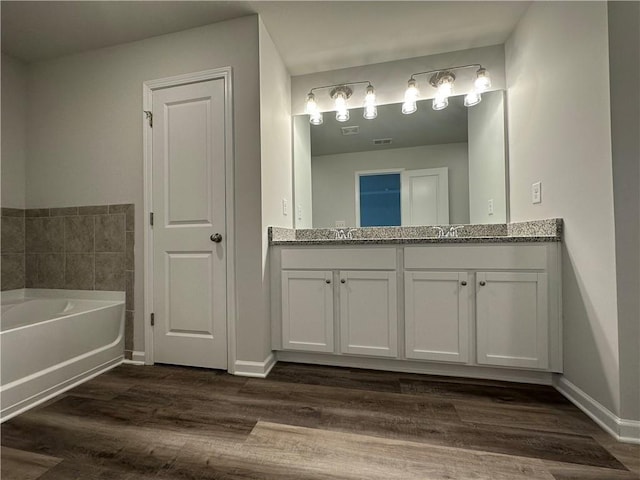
<point x="308" y="422"/>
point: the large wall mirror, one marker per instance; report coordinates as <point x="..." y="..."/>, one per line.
<point x="427" y="168"/>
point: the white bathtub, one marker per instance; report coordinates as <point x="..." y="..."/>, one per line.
<point x="53" y="340"/>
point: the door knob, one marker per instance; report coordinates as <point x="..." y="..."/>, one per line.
<point x="216" y="237"/>
<point x="343" y="281"/>
<point x="328" y="281"/>
<point x="463" y="283"/>
<point x="483" y="283"/>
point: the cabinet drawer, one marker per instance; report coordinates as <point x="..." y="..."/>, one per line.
<point x="477" y="257"/>
<point x="339" y="258"/>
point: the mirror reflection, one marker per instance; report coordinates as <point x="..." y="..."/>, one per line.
<point x="427" y="168"/>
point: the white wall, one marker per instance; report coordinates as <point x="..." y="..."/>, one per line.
<point x="624" y="67"/>
<point x="303" y="193"/>
<point x="277" y="163"/>
<point x="334" y="179"/>
<point x="85" y="142"/>
<point x="487" y="162"/>
<point x="390" y="78"/>
<point x="14" y="132"/>
<point x="557" y="66"/>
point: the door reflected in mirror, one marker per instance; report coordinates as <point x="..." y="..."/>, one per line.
<point x="427" y="168"/>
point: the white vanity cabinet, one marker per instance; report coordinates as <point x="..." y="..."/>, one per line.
<point x="478" y="309"/>
<point x="512" y="319"/>
<point x="512" y="292"/>
<point x="336" y="300"/>
<point x="368" y="313"/>
<point x="437" y="316"/>
<point x="307" y="310"/>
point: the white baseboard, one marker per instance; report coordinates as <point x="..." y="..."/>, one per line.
<point x="137" y="358"/>
<point x="255" y="369"/>
<point x="621" y="429"/>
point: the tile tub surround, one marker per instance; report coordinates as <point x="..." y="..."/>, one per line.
<point x="534" y="231"/>
<point x="77" y="248"/>
<point x="12" y="249"/>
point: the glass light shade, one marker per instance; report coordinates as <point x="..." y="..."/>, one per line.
<point x="409" y="107"/>
<point x="412" y="93"/>
<point x="312" y="106"/>
<point x="370" y="109"/>
<point x="440" y="103"/>
<point x="316" y="118"/>
<point x="342" y="115"/>
<point x="342" y="112"/>
<point x="370" y="112"/>
<point x="483" y="80"/>
<point x="471" y="99"/>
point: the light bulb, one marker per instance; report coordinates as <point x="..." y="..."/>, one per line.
<point x="440" y="103"/>
<point x="410" y="97"/>
<point x="445" y="87"/>
<point x="342" y="112"/>
<point x="315" y="118"/>
<point x="472" y="98"/>
<point x="312" y="106"/>
<point x="370" y="109"/>
<point x="483" y="80"/>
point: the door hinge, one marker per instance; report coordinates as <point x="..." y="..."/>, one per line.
<point x="149" y="116"/>
<point x="153" y="319"/>
<point x="151" y="219"/>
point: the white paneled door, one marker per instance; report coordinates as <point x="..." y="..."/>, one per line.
<point x="189" y="238"/>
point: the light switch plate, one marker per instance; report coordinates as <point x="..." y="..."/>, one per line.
<point x="299" y="212"/>
<point x="536" y="192"/>
<point x="490" y="207"/>
<point x="285" y="207"/>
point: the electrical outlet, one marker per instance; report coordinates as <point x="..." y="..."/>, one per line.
<point x="285" y="207"/>
<point x="341" y="224"/>
<point x="536" y="192"/>
<point x="490" y="207"/>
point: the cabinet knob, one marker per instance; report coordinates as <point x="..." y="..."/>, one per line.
<point x="463" y="283"/>
<point x="343" y="281"/>
<point x="328" y="281"/>
<point x="483" y="283"/>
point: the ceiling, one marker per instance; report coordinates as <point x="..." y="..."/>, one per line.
<point x="424" y="127"/>
<point x="311" y="36"/>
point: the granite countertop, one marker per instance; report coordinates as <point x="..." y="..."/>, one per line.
<point x="549" y="230"/>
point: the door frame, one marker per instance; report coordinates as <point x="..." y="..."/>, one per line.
<point x="148" y="88"/>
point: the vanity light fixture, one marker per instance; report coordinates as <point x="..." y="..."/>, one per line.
<point x="340" y="94"/>
<point x="443" y="81"/>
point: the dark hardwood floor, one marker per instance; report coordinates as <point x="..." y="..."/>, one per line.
<point x="308" y="422"/>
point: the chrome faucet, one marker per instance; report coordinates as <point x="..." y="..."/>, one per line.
<point x="452" y="232"/>
<point x="342" y="235"/>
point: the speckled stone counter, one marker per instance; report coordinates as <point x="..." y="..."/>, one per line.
<point x="549" y="230"/>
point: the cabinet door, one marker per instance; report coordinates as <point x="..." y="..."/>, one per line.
<point x="437" y="316"/>
<point x="369" y="313"/>
<point x="307" y="311"/>
<point x="512" y="319"/>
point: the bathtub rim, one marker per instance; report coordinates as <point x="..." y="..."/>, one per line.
<point x="28" y="293"/>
